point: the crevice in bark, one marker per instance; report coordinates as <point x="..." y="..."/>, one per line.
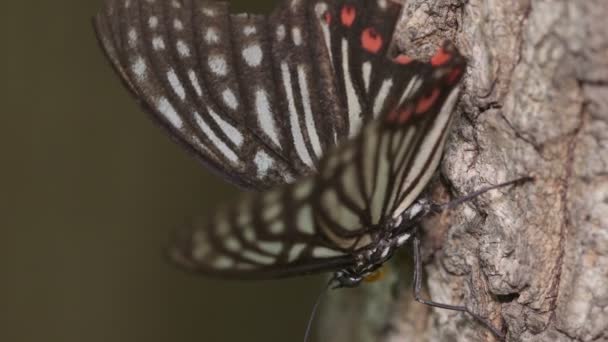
<point x="566" y="220"/>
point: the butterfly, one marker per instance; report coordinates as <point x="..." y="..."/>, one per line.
<point x="305" y="106"/>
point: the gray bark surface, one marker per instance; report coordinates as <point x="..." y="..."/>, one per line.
<point x="533" y="259"/>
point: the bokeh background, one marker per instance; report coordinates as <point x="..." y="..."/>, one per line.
<point x="90" y="192"/>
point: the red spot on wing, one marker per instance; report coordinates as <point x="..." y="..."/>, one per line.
<point x="400" y="116"/>
<point x="371" y="40"/>
<point x="440" y="58"/>
<point x="405" y="115"/>
<point x="426" y="103"/>
<point x="327" y="17"/>
<point x="392" y="116"/>
<point x="454" y="75"/>
<point x="402" y="59"/>
<point x="348" y="15"/>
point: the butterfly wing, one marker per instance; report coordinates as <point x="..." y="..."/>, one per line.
<point x="259" y="99"/>
<point x="319" y="222"/>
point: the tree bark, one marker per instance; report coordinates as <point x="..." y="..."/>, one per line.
<point x="533" y="259"/>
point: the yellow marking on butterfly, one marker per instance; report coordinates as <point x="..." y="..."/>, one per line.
<point x="378" y="274"/>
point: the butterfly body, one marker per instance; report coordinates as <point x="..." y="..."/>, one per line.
<point x="303" y="104"/>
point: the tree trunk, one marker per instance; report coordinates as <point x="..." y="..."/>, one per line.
<point x="534" y="258"/>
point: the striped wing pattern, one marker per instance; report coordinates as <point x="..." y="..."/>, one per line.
<point x="321" y="222"/>
<point x="257" y="98"/>
<point x="304" y="101"/>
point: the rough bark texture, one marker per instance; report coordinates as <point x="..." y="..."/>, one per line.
<point x="534" y="259"/>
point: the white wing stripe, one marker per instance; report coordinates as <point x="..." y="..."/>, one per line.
<point x="211" y="36"/>
<point x="230" y="99"/>
<point x="414" y="84"/>
<point x="263" y="162"/>
<point x="381" y="97"/>
<point x="253" y="55"/>
<point x="168" y="111"/>
<point x="296" y="36"/>
<point x="195" y="83"/>
<point x="183" y="49"/>
<point x="219" y="143"/>
<point x="293" y="118"/>
<point x="324" y="252"/>
<point x="354" y="107"/>
<point x="132" y="38"/>
<point x="367" y="73"/>
<point x="256" y="257"/>
<point x="327" y="37"/>
<point x="266" y="116"/>
<point x="231" y="132"/>
<point x="310" y="121"/>
<point x="295" y="251"/>
<point x="158" y="43"/>
<point x="271" y="247"/>
<point x="140" y="68"/>
<point x="320" y="10"/>
<point x="217" y="65"/>
<point x="176" y="85"/>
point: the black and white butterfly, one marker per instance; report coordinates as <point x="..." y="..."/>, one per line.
<point x="305" y="102"/>
<point x="306" y="107"/>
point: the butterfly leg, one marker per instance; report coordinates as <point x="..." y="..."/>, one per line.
<point x="418" y="285"/>
<point x="427" y="208"/>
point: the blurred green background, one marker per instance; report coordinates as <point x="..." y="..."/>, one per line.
<point x="91" y="190"/>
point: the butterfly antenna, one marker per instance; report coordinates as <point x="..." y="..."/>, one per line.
<point x="315" y="308"/>
<point x="454" y="203"/>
